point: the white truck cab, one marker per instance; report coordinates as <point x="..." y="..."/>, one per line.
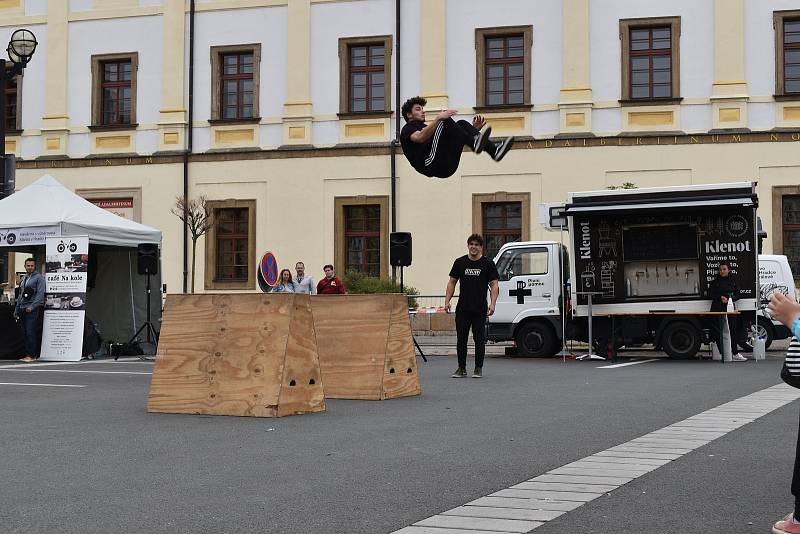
<point x="775" y="275"/>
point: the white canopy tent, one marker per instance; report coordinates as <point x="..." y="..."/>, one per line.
<point x="46" y="208"/>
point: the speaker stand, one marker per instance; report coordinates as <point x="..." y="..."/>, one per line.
<point x="402" y="290"/>
<point x="152" y="336"/>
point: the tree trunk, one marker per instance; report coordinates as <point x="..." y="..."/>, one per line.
<point x="194" y="255"/>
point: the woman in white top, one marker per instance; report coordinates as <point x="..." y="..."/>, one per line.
<point x="285" y="283"/>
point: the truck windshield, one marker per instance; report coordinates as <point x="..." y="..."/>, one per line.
<point x="523" y="261"/>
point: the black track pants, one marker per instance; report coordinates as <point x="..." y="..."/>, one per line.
<point x="466" y="320"/>
<point x="449" y="141"/>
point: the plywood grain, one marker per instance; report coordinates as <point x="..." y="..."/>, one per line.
<point x="365" y="346"/>
<point x="236" y="355"/>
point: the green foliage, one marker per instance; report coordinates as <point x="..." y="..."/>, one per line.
<point x="625" y="185"/>
<point x="362" y="283"/>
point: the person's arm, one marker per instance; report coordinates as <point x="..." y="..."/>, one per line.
<point x="38" y="296"/>
<point x="448" y="293"/>
<point x="494" y="290"/>
<point x="313" y="286"/>
<point x="786" y="311"/>
<point x="427" y="132"/>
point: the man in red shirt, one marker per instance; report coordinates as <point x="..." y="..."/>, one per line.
<point x="330" y="285"/>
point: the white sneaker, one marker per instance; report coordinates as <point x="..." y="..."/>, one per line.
<point x="503" y="148"/>
<point x="481" y="139"/>
<point x="738" y="358"/>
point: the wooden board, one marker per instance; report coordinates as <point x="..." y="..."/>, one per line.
<point x="365" y="346"/>
<point x="240" y="354"/>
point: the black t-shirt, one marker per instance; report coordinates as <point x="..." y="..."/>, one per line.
<point x="474" y="278"/>
<point x="416" y="153"/>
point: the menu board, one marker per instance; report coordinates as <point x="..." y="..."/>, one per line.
<point x="66" y="273"/>
<point x="660" y="243"/>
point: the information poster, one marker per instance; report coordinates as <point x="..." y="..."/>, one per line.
<point x="67" y="261"/>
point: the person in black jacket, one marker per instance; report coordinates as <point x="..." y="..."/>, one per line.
<point x="435" y="149"/>
<point x="721" y="290"/>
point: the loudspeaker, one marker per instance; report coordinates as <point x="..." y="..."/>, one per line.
<point x="400" y="249"/>
<point x="148" y="258"/>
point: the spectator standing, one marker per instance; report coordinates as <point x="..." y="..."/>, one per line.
<point x="475" y="273"/>
<point x="303" y="283"/>
<point x="285" y="282"/>
<point x="29" y="309"/>
<point x="330" y="285"/>
<point x="722" y="290"/>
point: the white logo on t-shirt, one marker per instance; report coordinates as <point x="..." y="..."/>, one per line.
<point x="472" y="272"/>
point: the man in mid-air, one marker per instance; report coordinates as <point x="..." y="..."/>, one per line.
<point x="435" y="149"/>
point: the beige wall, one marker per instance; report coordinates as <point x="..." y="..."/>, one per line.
<point x="295" y="197"/>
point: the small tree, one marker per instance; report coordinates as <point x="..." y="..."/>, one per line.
<point x="195" y="215"/>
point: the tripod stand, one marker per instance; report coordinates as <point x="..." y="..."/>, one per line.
<point x="152" y="336"/>
<point x="412" y="332"/>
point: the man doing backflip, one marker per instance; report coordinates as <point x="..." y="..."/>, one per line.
<point x="435" y="149"/>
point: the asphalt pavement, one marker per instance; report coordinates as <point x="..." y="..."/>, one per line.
<point x="91" y="459"/>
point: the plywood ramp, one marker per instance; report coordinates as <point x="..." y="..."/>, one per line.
<point x="365" y="346"/>
<point x="241" y="354"/>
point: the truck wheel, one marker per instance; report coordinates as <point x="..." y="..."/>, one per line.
<point x="764" y="330"/>
<point x="680" y="340"/>
<point x="534" y="339"/>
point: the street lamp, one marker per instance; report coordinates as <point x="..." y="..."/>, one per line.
<point x="20" y="51"/>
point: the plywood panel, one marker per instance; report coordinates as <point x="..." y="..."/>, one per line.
<point x="235" y="355"/>
<point x="365" y="346"/>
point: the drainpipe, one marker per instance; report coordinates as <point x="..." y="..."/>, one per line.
<point x="396" y="141"/>
<point x="189" y="148"/>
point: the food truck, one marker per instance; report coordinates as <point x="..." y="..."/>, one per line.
<point x="645" y="257"/>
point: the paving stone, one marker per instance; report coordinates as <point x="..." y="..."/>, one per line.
<point x="655" y="450"/>
<point x="580" y="479"/>
<point x="528" y="504"/>
<point x="547" y="494"/>
<point x="479" y="523"/>
<point x="433" y="530"/>
<point x="562" y="486"/>
<point x="600" y="472"/>
<point x="593" y="466"/>
<point x="504" y="513"/>
<point x="625" y="460"/>
<point x="635" y="455"/>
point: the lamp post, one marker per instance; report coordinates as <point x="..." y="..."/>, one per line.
<point x="20" y="50"/>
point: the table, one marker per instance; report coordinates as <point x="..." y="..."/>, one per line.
<point x="590" y="355"/>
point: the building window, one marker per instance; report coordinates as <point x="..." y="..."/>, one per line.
<point x="362" y="234"/>
<point x="230" y="245"/>
<point x="504" y="66"/>
<point x="235" y="82"/>
<point x="791" y="231"/>
<point x="650" y="59"/>
<point x="236" y="89"/>
<point x="502" y="223"/>
<point x="362" y="237"/>
<point x="501" y="218"/>
<point x="114" y="90"/>
<point x="11" y="103"/>
<point x="365" y="75"/>
<point x="787" y="53"/>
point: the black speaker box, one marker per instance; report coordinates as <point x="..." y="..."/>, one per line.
<point x="400" y="249"/>
<point x="148" y="258"/>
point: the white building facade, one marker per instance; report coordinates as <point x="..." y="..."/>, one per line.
<point x="293" y="109"/>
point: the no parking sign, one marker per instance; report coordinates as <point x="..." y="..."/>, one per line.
<point x="267" y="272"/>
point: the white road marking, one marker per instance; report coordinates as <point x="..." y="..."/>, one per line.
<point x="82" y="362"/>
<point x="42" y="385"/>
<point x="527" y="505"/>
<point x="78" y="371"/>
<point x="614" y="366"/>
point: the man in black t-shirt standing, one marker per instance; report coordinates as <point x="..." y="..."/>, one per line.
<point x="476" y="274"/>
<point x="435" y="149"/>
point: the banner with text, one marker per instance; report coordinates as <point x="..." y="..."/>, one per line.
<point x="66" y="265"/>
